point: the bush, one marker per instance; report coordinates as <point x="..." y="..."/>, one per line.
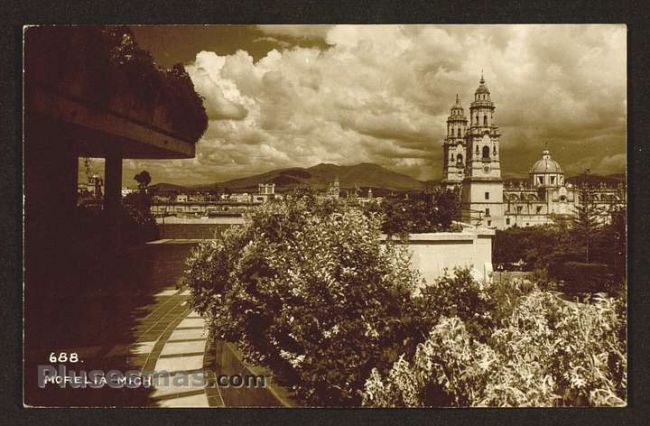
<point x="534" y="245"/>
<point x="420" y="213"/>
<point x="581" y="277"/>
<point x="137" y="223"/>
<point x="306" y="288"/>
<point x="547" y="352"/>
<point x="457" y="295"/>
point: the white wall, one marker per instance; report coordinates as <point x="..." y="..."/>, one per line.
<point x="432" y="253"/>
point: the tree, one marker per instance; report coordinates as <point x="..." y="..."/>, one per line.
<point x="137" y="206"/>
<point x="420" y="212"/>
<point x="307" y="288"/>
<point x="143" y="178"/>
<point x="587" y="220"/>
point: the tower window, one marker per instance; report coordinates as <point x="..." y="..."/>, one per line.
<point x="507" y="221"/>
<point x="487" y="195"/>
<point x="459" y="159"/>
<point x="487" y="212"/>
<point x="494" y="150"/>
<point x="477" y="150"/>
<point x="458" y="132"/>
<point x="489" y="223"/>
<point x="486" y="152"/>
<point x="552" y="180"/>
<point x="485" y="120"/>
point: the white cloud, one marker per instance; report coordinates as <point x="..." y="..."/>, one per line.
<point x="382" y="94"/>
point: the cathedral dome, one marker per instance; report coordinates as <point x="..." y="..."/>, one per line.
<point x="546" y="165"/>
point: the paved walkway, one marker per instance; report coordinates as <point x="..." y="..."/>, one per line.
<point x="180" y="348"/>
<point x="151" y="328"/>
<point x="167" y="336"/>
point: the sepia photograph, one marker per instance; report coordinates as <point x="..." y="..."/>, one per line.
<point x="374" y="216"/>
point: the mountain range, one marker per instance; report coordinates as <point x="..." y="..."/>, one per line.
<point x="363" y="175"/>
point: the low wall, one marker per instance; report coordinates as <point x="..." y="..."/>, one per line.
<point x="432" y="253"/>
<point x="200" y="227"/>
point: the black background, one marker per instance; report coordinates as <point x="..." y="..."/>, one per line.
<point x="15" y="14"/>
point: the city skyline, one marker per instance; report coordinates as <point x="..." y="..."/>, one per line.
<point x="296" y="96"/>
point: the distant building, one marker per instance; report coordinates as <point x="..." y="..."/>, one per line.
<point x="471" y="163"/>
<point x="546" y="198"/>
<point x="95" y="186"/>
<point x="266" y="189"/>
<point x="127" y="191"/>
<point x="334" y="189"/>
<point x="265" y="192"/>
<point x="196" y="198"/>
<point x="210" y="205"/>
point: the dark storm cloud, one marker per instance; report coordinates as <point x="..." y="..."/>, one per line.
<point x="281" y="96"/>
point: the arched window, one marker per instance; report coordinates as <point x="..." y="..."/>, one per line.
<point x="494" y="150"/>
<point x="458" y="132"/>
<point x="477" y="150"/>
<point x="459" y="159"/>
<point x="485" y="120"/>
<point x="476" y="118"/>
<point x="486" y="152"/>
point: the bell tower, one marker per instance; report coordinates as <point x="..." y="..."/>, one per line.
<point x="453" y="169"/>
<point x="482" y="188"/>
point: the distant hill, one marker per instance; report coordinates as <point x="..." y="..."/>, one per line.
<point x="168" y="187"/>
<point x="364" y="175"/>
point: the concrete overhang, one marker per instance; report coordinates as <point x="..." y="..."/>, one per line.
<point x="96" y="130"/>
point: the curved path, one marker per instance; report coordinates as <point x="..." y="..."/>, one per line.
<point x="182" y="348"/>
<point x="157" y="331"/>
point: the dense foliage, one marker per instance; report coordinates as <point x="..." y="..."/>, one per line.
<point x="419" y="212"/>
<point x="588" y="256"/>
<point x="306" y="288"/>
<point x="544" y="352"/>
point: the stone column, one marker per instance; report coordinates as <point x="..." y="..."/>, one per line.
<point x="113" y="197"/>
<point x="113" y="184"/>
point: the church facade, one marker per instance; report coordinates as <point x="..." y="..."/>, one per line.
<point x="472" y="165"/>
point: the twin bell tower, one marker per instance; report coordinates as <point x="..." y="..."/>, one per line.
<point x="472" y="160"/>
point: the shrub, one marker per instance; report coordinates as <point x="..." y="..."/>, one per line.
<point x="547" y="352"/>
<point x="457" y="295"/>
<point x="306" y="288"/>
<point x="449" y="369"/>
<point x="421" y="212"/>
<point x="581" y="277"/>
<point x="137" y="222"/>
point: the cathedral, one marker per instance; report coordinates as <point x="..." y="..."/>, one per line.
<point x="472" y="164"/>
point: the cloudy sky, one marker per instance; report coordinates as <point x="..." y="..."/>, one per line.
<point x="285" y="96"/>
